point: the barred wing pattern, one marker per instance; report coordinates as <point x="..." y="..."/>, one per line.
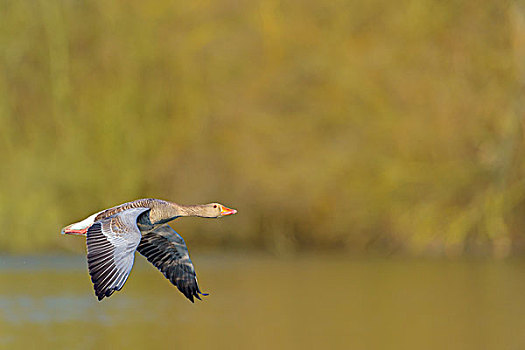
<point x="166" y="249"/>
<point x="111" y="245"/>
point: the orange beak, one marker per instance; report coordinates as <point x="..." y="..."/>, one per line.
<point x="227" y="211"/>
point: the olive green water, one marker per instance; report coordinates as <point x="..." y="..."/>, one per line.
<point x="262" y="302"/>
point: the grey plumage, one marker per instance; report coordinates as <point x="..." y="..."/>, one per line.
<point x="111" y="245"/>
<point x="114" y="234"/>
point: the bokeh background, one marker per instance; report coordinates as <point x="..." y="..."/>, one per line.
<point x="349" y="128"/>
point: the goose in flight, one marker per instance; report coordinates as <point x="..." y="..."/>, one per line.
<point x="114" y="234"/>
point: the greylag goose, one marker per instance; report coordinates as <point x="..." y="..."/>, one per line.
<point x="113" y="235"/>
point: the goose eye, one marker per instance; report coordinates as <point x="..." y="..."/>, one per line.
<point x="215" y="206"/>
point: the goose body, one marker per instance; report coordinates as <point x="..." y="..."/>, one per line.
<point x="113" y="235"/>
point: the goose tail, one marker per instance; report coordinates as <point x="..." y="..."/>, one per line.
<point x="80" y="228"/>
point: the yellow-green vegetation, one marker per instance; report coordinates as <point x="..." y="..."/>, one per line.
<point x="359" y="125"/>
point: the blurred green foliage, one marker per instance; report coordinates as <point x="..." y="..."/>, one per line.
<point x="358" y="125"/>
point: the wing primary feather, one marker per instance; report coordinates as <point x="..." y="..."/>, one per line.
<point x="167" y="251"/>
<point x="111" y="244"/>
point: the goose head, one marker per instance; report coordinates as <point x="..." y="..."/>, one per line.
<point x="216" y="210"/>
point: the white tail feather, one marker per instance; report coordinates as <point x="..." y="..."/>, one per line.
<point x="80" y="228"/>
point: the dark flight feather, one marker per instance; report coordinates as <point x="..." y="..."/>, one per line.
<point x="167" y="251"/>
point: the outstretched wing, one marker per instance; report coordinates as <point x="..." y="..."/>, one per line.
<point x="166" y="249"/>
<point x="111" y="245"/>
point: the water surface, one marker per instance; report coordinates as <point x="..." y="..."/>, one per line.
<point x="263" y="302"/>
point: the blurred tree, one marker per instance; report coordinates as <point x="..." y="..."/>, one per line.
<point x="355" y="125"/>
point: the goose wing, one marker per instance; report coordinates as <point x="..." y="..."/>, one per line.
<point x="111" y="245"/>
<point x="166" y="249"/>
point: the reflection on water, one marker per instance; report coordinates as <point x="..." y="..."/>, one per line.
<point x="260" y="302"/>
